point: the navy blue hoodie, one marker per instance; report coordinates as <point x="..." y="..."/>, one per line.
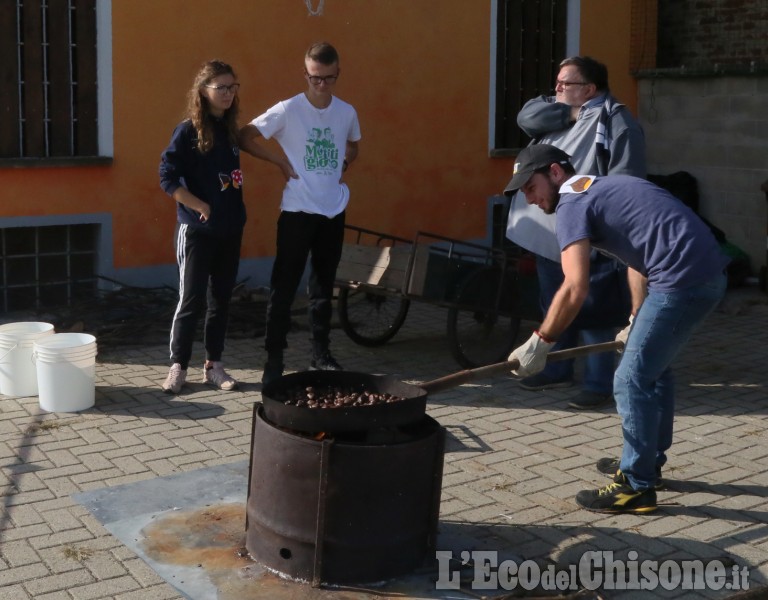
<point x="214" y="177"/>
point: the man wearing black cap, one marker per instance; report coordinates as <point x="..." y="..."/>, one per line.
<point x="676" y="276"/>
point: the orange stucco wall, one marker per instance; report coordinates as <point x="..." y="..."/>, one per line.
<point x="605" y="34"/>
<point x="417" y="71"/>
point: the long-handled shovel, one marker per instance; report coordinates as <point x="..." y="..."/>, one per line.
<point x="455" y="379"/>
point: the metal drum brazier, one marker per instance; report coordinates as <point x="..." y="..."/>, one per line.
<point x="353" y="508"/>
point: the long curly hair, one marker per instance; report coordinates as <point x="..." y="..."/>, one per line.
<point x="198" y="109"/>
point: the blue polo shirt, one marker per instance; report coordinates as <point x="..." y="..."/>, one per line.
<point x="643" y="226"/>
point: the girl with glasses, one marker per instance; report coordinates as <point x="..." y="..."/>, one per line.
<point x="200" y="170"/>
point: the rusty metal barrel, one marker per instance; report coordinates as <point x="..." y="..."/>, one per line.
<point x="357" y="508"/>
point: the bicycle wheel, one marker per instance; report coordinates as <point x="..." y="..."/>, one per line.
<point x="477" y="333"/>
<point x="369" y="317"/>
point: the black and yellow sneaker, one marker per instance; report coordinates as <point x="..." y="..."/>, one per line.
<point x="618" y="498"/>
<point x="610" y="467"/>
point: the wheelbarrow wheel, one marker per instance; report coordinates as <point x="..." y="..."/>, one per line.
<point x="479" y="333"/>
<point x="370" y="317"/>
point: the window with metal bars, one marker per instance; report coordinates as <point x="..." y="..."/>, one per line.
<point x="531" y="42"/>
<point x="48" y="266"/>
<point x="48" y="103"/>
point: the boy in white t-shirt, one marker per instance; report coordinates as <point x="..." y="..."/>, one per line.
<point x="319" y="135"/>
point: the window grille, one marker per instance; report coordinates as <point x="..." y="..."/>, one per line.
<point x="531" y="42"/>
<point x="49" y="266"/>
<point x="48" y="104"/>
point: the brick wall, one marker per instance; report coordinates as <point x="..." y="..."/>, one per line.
<point x="704" y="33"/>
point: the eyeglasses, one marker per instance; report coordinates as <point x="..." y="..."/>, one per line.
<point x="567" y="84"/>
<point x="222" y="89"/>
<point x="317" y="80"/>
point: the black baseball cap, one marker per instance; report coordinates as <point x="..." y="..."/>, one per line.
<point x="530" y="160"/>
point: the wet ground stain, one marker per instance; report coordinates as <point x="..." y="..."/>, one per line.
<point x="213" y="539"/>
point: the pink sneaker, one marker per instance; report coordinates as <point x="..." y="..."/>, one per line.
<point x="214" y="374"/>
<point x="175" y="380"/>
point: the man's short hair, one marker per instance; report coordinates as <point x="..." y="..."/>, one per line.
<point x="591" y="70"/>
<point x="323" y="53"/>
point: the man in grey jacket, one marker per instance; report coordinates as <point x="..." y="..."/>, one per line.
<point x="601" y="137"/>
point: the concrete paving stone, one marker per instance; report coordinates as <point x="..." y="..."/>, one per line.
<point x="13" y="592"/>
<point x="6" y="452"/>
<point x="224" y="448"/>
<point x="63" y="487"/>
<point x="104" y="589"/>
<point x="126" y="439"/>
<point x="101" y="475"/>
<point x="489" y="512"/>
<point x="9" y="429"/>
<point x="95" y="448"/>
<point x="122" y="479"/>
<point x="747" y="448"/>
<point x="63" y="519"/>
<point x="18" y="553"/>
<point x="29" y="453"/>
<point x="155" y="455"/>
<point x="557" y="504"/>
<point x="530" y="486"/>
<point x="217" y="428"/>
<point x="59" y="560"/>
<point x="465" y="479"/>
<point x="141" y="571"/>
<point x="20" y="468"/>
<point x="72" y="536"/>
<point x="23" y="573"/>
<point x="531" y="515"/>
<point x="125" y="452"/>
<point x="102" y="565"/>
<point x="129" y="464"/>
<point x="95" y="421"/>
<point x="550" y="472"/>
<point x="24" y="497"/>
<point x="195" y="458"/>
<point x="29" y="532"/>
<point x="718" y="452"/>
<point x="97" y="461"/>
<point x="572" y="439"/>
<point x="223" y="434"/>
<point x="156" y="592"/>
<point x="190" y="445"/>
<point x="67" y="471"/>
<point x="510" y="473"/>
<point x="452" y="506"/>
<point x="23" y="515"/>
<point x="660" y="527"/>
<point x="710" y="530"/>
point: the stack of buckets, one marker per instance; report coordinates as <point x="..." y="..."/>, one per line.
<point x="57" y="367"/>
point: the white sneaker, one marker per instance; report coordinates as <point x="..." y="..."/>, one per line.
<point x="214" y="374"/>
<point x="176" y="378"/>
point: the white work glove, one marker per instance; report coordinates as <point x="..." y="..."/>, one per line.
<point x="532" y="356"/>
<point x="623" y="335"/>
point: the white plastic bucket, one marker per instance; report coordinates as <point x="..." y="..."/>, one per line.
<point x="66" y="372"/>
<point x="18" y="376"/>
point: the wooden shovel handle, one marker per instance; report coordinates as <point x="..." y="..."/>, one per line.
<point x="456" y="379"/>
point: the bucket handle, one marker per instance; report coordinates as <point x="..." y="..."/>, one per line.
<point x="7" y="353"/>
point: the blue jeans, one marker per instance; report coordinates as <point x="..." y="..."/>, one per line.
<point x="643" y="384"/>
<point x="598" y="368"/>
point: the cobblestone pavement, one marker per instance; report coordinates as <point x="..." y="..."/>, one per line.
<point x="513" y="464"/>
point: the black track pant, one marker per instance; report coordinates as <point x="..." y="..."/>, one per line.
<point x="207" y="275"/>
<point x="299" y="236"/>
